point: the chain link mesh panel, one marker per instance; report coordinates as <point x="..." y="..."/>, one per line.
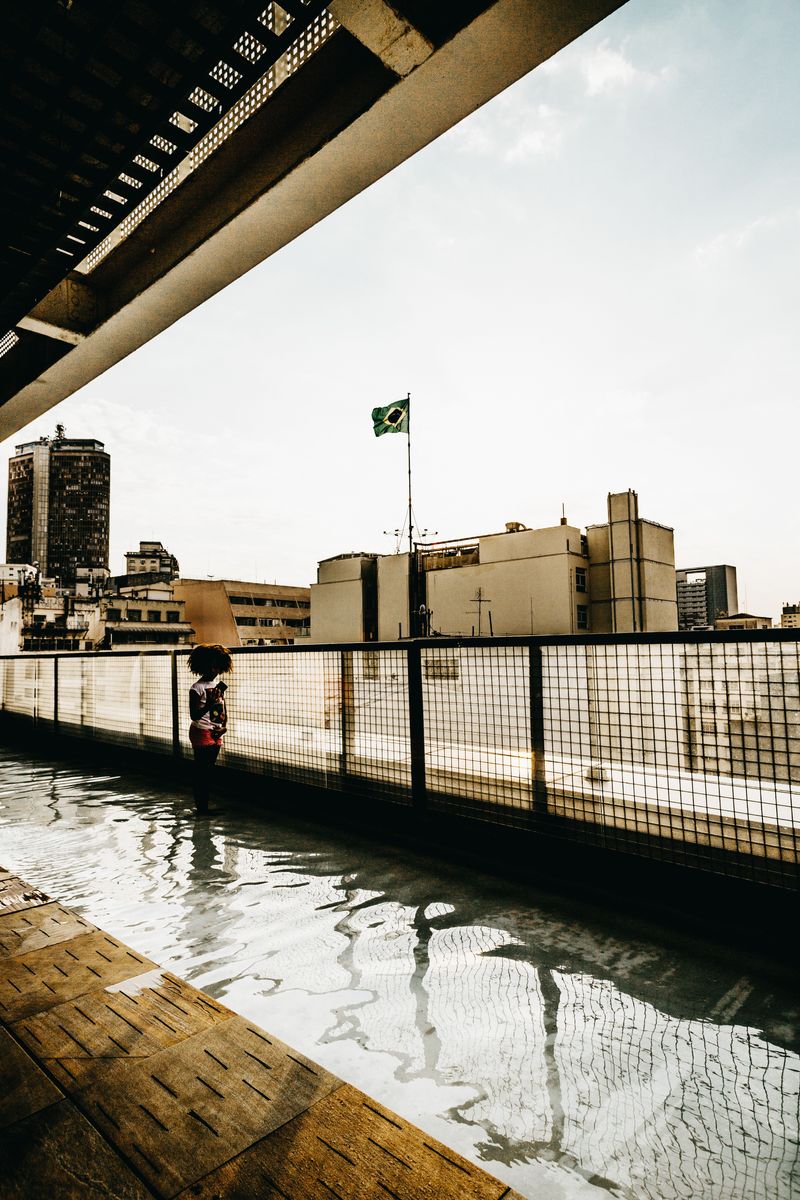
<point x="684" y="750"/>
<point x="477" y="708"/>
<point x="376" y="742"/>
<point x="28" y="688"/>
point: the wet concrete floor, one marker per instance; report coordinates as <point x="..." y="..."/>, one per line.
<point x="571" y="1053"/>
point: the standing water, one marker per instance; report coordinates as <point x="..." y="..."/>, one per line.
<point x="571" y="1056"/>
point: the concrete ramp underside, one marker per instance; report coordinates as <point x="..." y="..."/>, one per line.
<point x="279" y="133"/>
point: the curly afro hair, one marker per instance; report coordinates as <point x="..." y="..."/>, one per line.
<point x="209" y="660"/>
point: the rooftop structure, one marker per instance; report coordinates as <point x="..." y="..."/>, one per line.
<point x="151" y="557"/>
<point x="616" y="577"/>
<point x="743" y="621"/>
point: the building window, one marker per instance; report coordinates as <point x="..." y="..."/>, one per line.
<point x="441" y="666"/>
<point x="245" y="621"/>
<point x="580" y="579"/>
<point x="154" y="614"/>
<point x="134" y="614"/>
<point x="114" y="614"/>
<point x="174" y="617"/>
<point x="371" y="664"/>
<point x="583" y="616"/>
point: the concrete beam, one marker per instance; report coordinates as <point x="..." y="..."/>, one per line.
<point x="392" y="38"/>
<point x="331" y="145"/>
<point x="69" y="313"/>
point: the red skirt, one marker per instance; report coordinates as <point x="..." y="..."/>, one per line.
<point x="202" y="737"/>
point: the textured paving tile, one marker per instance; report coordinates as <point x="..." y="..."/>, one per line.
<point x="16" y="894"/>
<point x="31" y="983"/>
<point x="350" y="1147"/>
<point x="34" y="928"/>
<point x="126" y="1023"/>
<point x="24" y="1087"/>
<point x="169" y="1087"/>
<point x="190" y="1108"/>
<point x="57" y="1155"/>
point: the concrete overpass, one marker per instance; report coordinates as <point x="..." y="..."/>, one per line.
<point x="154" y="150"/>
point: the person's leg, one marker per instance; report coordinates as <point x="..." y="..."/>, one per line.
<point x="204" y="758"/>
<point x="203" y="762"/>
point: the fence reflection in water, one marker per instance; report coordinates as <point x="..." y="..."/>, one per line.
<point x="680" y="747"/>
<point x="569" y="1058"/>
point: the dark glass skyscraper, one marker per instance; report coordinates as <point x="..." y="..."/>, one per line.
<point x="58" y="505"/>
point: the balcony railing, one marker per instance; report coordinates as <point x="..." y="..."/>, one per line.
<point x="681" y="747"/>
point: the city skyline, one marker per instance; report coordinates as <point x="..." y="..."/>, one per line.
<point x="587" y="286"/>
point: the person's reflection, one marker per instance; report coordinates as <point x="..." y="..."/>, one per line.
<point x="202" y="879"/>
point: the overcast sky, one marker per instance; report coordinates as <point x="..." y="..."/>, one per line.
<point x="589" y="285"/>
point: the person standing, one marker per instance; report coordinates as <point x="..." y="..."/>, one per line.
<point x="209" y="715"/>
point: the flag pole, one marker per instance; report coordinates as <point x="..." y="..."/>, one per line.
<point x="410" y="509"/>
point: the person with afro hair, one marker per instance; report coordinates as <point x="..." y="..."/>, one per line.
<point x="209" y="715"/>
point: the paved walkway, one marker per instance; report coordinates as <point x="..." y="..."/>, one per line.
<point x="119" y="1080"/>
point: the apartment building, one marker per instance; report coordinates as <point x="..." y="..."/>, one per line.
<point x="239" y="613"/>
<point x="151" y="559"/>
<point x="790" y="616"/>
<point x="704" y="594"/>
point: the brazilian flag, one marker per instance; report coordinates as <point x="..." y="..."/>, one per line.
<point x="393" y="419"/>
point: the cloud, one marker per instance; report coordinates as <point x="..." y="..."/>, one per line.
<point x="604" y="68"/>
<point x="730" y="241"/>
<point x="541" y="135"/>
<point x="517" y="126"/>
<point x="512" y="131"/>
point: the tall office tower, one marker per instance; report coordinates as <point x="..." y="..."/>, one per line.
<point x="58" y="505"/>
<point x="704" y="594"/>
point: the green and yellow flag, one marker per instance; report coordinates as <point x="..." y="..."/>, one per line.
<point x="392" y="419"/>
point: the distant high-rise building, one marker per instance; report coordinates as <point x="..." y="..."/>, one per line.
<point x="58" y="505"/>
<point x="704" y="594"/>
<point x="790" y="616"/>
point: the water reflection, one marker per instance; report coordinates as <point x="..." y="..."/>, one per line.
<point x="572" y="1056"/>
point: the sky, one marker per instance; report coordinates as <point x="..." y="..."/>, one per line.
<point x="590" y="284"/>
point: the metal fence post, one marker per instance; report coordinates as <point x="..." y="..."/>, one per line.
<point x="176" y="733"/>
<point x="416" y="728"/>
<point x="347" y="710"/>
<point x="538" y="779"/>
<point x="55" y="693"/>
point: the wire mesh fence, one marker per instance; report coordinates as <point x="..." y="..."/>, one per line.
<point x="684" y="748"/>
